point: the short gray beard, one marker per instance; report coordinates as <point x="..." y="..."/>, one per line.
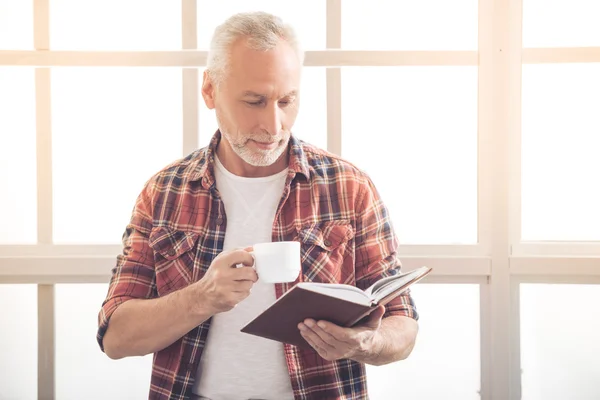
<point x="258" y="157"/>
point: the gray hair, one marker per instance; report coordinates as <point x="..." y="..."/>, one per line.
<point x="263" y="31"/>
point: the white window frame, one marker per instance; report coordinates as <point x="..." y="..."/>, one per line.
<point x="499" y="262"/>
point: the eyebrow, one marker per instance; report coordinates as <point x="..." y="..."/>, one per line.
<point x="250" y="93"/>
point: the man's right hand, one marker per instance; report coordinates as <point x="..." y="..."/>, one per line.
<point x="132" y="333"/>
<point x="224" y="286"/>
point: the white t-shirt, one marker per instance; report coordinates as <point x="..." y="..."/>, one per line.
<point x="237" y="365"/>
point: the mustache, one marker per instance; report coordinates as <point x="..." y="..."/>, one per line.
<point x="264" y="137"/>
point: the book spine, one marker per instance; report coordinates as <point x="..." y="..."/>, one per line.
<point x="359" y="317"/>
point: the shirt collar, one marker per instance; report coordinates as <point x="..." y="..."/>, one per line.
<point x="298" y="163"/>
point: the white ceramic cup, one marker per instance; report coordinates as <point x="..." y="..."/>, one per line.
<point x="277" y="262"/>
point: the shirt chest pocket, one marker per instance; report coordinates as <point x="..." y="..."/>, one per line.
<point x="326" y="252"/>
<point x="174" y="258"/>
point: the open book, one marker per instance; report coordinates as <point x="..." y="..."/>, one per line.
<point x="341" y="304"/>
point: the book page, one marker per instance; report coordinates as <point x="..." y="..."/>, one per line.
<point x="390" y="284"/>
<point x="340" y="291"/>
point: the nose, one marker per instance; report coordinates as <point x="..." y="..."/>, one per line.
<point x="271" y="119"/>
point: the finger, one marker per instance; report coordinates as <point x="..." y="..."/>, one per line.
<point x="325" y="336"/>
<point x="242" y="286"/>
<point x="305" y="332"/>
<point x="245" y="274"/>
<point x="339" y="333"/>
<point x="310" y="342"/>
<point x="316" y="339"/>
<point x="238" y="257"/>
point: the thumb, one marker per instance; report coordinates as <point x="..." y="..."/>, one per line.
<point x="374" y="319"/>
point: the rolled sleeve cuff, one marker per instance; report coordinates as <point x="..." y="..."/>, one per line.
<point x="108" y="308"/>
<point x="402" y="305"/>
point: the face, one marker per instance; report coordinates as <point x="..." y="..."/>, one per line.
<point x="256" y="102"/>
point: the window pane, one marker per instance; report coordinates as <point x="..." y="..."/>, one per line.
<point x="18" y="342"/>
<point x="311" y="123"/>
<point x="115" y="24"/>
<point x="448" y="358"/>
<point x="308" y="18"/>
<point x="81" y="367"/>
<point x="560" y="351"/>
<point x="18" y="202"/>
<point x="409" y="25"/>
<point x="112" y="130"/>
<point x="561" y="23"/>
<point x="423" y="122"/>
<point x="560" y="142"/>
<point x="16" y="25"/>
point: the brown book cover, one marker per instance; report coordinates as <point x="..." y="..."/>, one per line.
<point x="343" y="305"/>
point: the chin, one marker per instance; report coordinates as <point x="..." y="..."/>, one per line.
<point x="259" y="159"/>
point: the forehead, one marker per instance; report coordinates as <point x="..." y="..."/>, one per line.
<point x="276" y="70"/>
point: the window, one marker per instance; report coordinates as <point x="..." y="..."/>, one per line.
<point x="112" y="130"/>
<point x="560" y="352"/>
<point x="16" y="25"/>
<point x="79" y="361"/>
<point x="409" y="25"/>
<point x="18" y="341"/>
<point x="561" y="23"/>
<point x="560" y="163"/>
<point x="115" y="25"/>
<point x="450" y="357"/>
<point x="18" y="202"/>
<point x="308" y="18"/>
<point x="473" y="150"/>
<point x="414" y="131"/>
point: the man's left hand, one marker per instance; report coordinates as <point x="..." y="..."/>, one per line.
<point x="334" y="342"/>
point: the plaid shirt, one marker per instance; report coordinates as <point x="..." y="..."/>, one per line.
<point x="178" y="228"/>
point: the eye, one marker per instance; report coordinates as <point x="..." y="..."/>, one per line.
<point x="254" y="103"/>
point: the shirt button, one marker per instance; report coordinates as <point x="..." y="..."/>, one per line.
<point x="220" y="221"/>
<point x="171" y="252"/>
<point x="327" y="243"/>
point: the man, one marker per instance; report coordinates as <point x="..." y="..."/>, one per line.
<point x="175" y="290"/>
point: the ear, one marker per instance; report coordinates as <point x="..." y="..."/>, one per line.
<point x="208" y="90"/>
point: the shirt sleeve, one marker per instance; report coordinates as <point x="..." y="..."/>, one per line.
<point x="375" y="249"/>
<point x="133" y="276"/>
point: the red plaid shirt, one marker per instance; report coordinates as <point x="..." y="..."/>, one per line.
<point x="178" y="228"/>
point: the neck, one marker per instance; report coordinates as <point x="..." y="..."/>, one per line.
<point x="237" y="166"/>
